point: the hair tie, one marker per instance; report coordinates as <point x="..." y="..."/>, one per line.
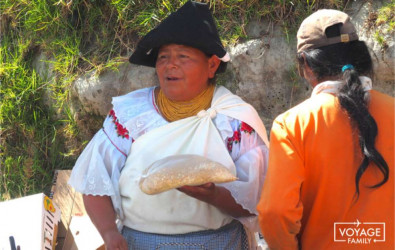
<point x="346" y="67"/>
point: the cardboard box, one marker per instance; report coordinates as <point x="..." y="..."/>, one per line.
<point x="85" y="234"/>
<point x="76" y="230"/>
<point x="32" y="221"/>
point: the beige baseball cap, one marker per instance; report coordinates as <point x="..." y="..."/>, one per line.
<point x="311" y="33"/>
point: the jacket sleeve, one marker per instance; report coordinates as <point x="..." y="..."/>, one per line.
<point x="280" y="208"/>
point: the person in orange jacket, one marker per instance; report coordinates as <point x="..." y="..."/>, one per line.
<point x="330" y="180"/>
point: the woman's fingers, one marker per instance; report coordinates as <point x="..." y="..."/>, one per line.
<point x="203" y="192"/>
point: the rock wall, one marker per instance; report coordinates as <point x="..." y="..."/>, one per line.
<point x="262" y="71"/>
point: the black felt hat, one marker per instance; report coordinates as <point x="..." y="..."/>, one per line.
<point x="191" y="25"/>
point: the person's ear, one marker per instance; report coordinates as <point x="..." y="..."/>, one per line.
<point x="301" y="65"/>
<point x="306" y="72"/>
<point x="213" y="64"/>
<point x="300" y="70"/>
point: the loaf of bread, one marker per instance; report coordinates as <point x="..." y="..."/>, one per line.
<point x="179" y="170"/>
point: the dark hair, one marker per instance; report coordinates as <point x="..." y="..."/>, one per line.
<point x="328" y="61"/>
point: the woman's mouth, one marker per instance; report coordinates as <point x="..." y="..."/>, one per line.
<point x="172" y="78"/>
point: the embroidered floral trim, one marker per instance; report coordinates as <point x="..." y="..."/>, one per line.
<point x="246" y="128"/>
<point x="236" y="138"/>
<point x="121" y="130"/>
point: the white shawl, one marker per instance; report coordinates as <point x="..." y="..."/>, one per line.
<point x="173" y="212"/>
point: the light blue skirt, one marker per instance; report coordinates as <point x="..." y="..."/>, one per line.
<point x="229" y="237"/>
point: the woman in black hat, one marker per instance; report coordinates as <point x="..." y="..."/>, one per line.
<point x="186" y="114"/>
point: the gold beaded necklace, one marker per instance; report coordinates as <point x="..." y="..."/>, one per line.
<point x="173" y="110"/>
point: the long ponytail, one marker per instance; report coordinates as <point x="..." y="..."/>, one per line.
<point x="328" y="61"/>
<point x="354" y="99"/>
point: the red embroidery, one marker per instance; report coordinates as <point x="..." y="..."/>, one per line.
<point x="246" y="128"/>
<point x="121" y="130"/>
<point x="229" y="144"/>
<point x="236" y="138"/>
<point x="112" y="114"/>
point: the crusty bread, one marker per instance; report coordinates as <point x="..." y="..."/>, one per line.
<point x="179" y="170"/>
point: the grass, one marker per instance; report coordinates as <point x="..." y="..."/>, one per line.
<point x="39" y="128"/>
<point x="386" y="15"/>
<point x="385" y="19"/>
<point x="30" y="144"/>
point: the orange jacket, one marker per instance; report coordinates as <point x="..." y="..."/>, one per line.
<point x="310" y="185"/>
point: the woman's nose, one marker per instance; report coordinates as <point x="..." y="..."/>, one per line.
<point x="172" y="62"/>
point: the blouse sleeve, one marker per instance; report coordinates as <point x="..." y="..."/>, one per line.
<point x="250" y="155"/>
<point x="97" y="170"/>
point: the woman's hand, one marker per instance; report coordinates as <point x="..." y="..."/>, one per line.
<point x="114" y="240"/>
<point x="217" y="196"/>
<point x="206" y="192"/>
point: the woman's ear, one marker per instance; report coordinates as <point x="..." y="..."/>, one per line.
<point x="213" y="64"/>
<point x="300" y="70"/>
<point x="306" y="71"/>
<point x="301" y="63"/>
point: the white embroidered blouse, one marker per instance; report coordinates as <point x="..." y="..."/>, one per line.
<point x="97" y="170"/>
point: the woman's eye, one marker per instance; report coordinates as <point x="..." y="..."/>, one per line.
<point x="184" y="56"/>
<point x="162" y="56"/>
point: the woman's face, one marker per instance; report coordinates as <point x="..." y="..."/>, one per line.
<point x="184" y="71"/>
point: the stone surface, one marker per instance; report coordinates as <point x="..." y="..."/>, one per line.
<point x="262" y="70"/>
<point x="96" y="92"/>
<point x="383" y="55"/>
